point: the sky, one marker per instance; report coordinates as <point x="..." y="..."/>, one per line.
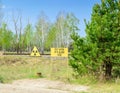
<point x="31" y="9"/>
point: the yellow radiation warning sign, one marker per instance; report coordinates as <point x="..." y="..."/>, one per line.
<point x="59" y="52"/>
<point x="35" y="52"/>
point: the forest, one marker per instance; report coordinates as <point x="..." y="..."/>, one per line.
<point x="44" y="35"/>
<point x="98" y="53"/>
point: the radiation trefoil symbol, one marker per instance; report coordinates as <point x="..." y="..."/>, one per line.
<point x="35" y="52"/>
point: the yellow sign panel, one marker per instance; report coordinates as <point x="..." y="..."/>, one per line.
<point x="59" y="52"/>
<point x="35" y="52"/>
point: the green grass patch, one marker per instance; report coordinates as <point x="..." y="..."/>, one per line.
<point x="1" y="79"/>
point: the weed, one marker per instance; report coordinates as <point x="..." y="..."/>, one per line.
<point x="1" y="79"/>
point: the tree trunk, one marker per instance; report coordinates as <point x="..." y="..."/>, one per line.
<point x="108" y="70"/>
<point x="42" y="50"/>
<point x="17" y="48"/>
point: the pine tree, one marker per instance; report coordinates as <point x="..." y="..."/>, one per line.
<point x="99" y="51"/>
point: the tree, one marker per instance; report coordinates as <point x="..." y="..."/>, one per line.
<point x="99" y="51"/>
<point x="51" y="37"/>
<point x="66" y="24"/>
<point x="17" y="21"/>
<point x="42" y="28"/>
<point x="60" y="29"/>
<point x="71" y="26"/>
<point x="28" y="37"/>
<point x="6" y="37"/>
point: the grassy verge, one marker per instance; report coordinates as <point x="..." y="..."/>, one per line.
<point x="104" y="88"/>
<point x="22" y="67"/>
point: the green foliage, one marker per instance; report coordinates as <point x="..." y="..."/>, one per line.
<point x="57" y="34"/>
<point x="1" y="79"/>
<point x="27" y="37"/>
<point x="60" y="32"/>
<point x="44" y="36"/>
<point x="6" y="37"/>
<point x="82" y="54"/>
<point x="51" y="37"/>
<point x="99" y="52"/>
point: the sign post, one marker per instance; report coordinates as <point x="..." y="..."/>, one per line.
<point x="59" y="52"/>
<point x="35" y="53"/>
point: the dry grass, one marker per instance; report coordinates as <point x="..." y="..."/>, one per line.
<point x="105" y="88"/>
<point x="21" y="67"/>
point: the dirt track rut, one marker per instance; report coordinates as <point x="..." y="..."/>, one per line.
<point x="40" y="86"/>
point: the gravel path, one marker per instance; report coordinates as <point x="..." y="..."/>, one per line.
<point x="40" y="86"/>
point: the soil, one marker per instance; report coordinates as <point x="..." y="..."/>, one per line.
<point x="40" y="86"/>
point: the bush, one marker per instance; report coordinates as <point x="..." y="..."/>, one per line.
<point x="116" y="72"/>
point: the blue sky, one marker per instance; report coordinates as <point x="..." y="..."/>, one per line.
<point x="31" y="9"/>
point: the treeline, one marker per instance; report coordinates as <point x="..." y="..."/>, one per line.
<point x="44" y="35"/>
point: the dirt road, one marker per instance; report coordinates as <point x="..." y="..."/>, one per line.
<point x="40" y="86"/>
